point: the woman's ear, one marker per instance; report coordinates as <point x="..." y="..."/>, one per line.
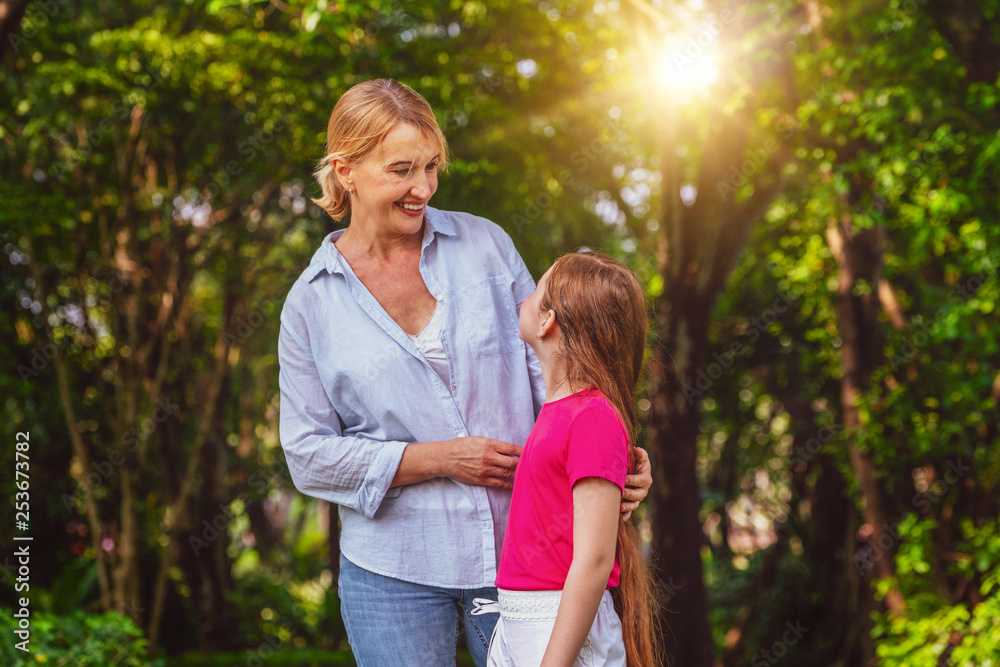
<point x="344" y="172"/>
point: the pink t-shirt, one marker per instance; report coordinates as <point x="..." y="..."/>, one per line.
<point x="575" y="437"/>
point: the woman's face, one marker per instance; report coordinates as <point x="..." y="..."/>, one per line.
<point x="393" y="184"/>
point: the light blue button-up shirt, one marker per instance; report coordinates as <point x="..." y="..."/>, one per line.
<point x="355" y="391"/>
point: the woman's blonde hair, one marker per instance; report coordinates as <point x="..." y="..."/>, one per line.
<point x="361" y="119"/>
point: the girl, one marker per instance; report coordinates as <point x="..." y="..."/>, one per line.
<point x="565" y="547"/>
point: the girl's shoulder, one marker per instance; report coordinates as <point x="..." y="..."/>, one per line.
<point x="596" y="440"/>
<point x="589" y="405"/>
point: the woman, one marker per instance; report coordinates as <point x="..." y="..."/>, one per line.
<point x="404" y="385"/>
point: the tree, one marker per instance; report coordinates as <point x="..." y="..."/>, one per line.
<point x="11" y="15"/>
<point x="150" y="204"/>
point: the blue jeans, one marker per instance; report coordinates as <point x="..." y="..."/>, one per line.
<point x="391" y="622"/>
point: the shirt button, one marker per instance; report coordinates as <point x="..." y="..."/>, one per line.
<point x="452" y="387"/>
<point x="488" y="524"/>
<point x="461" y="435"/>
<point x="440" y="297"/>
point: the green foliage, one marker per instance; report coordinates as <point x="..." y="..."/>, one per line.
<point x="286" y="608"/>
<point x="936" y="628"/>
<point x="277" y="658"/>
<point x="78" y="639"/>
<point x="157" y="161"/>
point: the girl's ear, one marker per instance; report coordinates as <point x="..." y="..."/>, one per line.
<point x="548" y="324"/>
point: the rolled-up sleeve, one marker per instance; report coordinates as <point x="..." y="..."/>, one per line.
<point x="346" y="470"/>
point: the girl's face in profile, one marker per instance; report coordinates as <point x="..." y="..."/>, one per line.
<point x="531" y="318"/>
<point x="393" y="184"/>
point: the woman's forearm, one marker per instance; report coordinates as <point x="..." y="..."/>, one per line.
<point x="469" y="459"/>
<point x="422" y="461"/>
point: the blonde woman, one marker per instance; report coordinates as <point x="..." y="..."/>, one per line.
<point x="406" y="393"/>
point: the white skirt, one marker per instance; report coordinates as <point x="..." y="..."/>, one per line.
<point x="525" y="625"/>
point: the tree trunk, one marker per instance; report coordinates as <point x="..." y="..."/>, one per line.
<point x="80" y="450"/>
<point x="840" y="627"/>
<point x="697" y="248"/>
<point x="859" y="258"/>
<point x="127" y="597"/>
<point x="178" y="519"/>
<point x="213" y="576"/>
<point x="971" y="34"/>
<point x="676" y="500"/>
<point x="11" y="15"/>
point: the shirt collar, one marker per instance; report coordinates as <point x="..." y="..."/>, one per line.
<point x="327" y="257"/>
<point x="439" y="222"/>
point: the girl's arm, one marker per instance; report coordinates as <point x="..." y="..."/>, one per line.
<point x="595" y="536"/>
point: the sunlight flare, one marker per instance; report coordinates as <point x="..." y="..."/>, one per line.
<point x="684" y="74"/>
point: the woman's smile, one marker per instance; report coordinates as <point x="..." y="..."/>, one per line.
<point x="414" y="209"/>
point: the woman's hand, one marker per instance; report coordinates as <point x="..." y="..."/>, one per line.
<point x="637" y="485"/>
<point x="483" y="461"/>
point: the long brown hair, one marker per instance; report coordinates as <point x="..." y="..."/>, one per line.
<point x="600" y="308"/>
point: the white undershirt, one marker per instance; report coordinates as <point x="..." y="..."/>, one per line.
<point x="428" y="341"/>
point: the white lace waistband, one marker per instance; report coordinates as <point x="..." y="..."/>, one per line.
<point x="526" y="605"/>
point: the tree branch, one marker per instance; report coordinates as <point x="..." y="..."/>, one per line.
<point x="79" y="473"/>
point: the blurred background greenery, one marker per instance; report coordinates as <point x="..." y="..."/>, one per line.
<point x="807" y="188"/>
